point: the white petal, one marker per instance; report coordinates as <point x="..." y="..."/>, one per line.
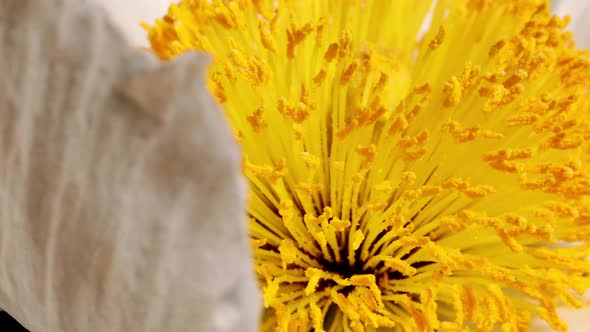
<point x="115" y="215"/>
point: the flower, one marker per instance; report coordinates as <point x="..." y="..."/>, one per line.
<point x="398" y="179"/>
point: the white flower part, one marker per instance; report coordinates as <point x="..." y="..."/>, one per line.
<point x="579" y="11"/>
<point x="121" y="197"/>
<point x="128" y="15"/>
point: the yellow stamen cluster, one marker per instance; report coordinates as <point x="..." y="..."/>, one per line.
<point x="403" y="180"/>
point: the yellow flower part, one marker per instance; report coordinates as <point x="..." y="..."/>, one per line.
<point x="413" y="165"/>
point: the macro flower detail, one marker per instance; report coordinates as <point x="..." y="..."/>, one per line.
<point x="403" y="180"/>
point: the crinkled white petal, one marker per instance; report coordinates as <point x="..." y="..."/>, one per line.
<point x="121" y="199"/>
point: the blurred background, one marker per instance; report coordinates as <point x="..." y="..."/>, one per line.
<point x="130" y="13"/>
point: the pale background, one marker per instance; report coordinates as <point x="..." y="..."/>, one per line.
<point x="130" y="13"/>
